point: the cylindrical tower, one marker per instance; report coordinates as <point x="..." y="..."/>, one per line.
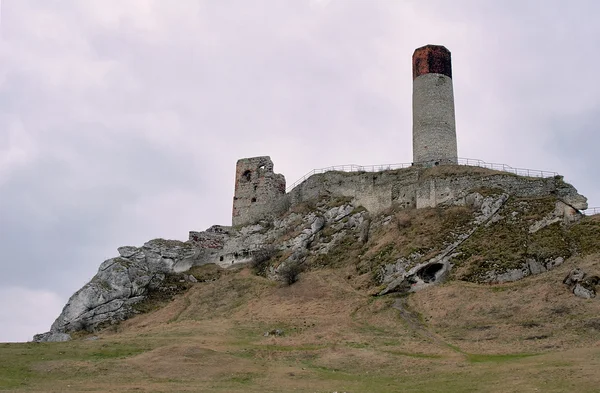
<point x="434" y="127"/>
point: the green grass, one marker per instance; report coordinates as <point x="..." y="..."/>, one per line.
<point x="287" y="348"/>
<point x="481" y="358"/>
<point x="241" y="378"/>
<point x="29" y="366"/>
<point x="18" y="361"/>
<point x="585" y="235"/>
<point x="415" y="355"/>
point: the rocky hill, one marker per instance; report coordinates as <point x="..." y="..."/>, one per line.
<point x="488" y="228"/>
<point x="491" y="289"/>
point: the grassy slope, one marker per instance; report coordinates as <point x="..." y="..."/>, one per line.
<point x="336" y="338"/>
<point x="532" y="335"/>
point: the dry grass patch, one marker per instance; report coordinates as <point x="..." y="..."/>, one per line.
<point x="336" y="338"/>
<point x="538" y="313"/>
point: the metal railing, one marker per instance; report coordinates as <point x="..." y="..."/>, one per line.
<point x="349" y="168"/>
<point x="506" y="168"/>
<point x="590" y="211"/>
<point x="387" y="167"/>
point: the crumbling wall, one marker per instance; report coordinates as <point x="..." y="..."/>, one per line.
<point x="258" y="190"/>
<point x="376" y="191"/>
<point x="260" y="193"/>
<point x="435" y="190"/>
<point x="225" y="245"/>
<point x="420" y="188"/>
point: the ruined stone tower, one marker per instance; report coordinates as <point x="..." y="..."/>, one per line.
<point x="257" y="190"/>
<point x="434" y="129"/>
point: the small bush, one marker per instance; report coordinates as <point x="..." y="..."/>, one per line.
<point x="261" y="259"/>
<point x="290" y="272"/>
<point x="403" y="220"/>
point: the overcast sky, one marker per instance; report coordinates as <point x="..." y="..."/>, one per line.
<point x="122" y="120"/>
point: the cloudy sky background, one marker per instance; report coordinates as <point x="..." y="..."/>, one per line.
<point x="122" y="120"/>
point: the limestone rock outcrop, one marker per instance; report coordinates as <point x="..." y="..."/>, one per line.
<point x="505" y="241"/>
<point x="51" y="337"/>
<point x="124" y="281"/>
<point x="330" y="220"/>
<point x="120" y="283"/>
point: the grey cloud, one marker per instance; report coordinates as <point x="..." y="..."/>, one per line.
<point x="129" y="116"/>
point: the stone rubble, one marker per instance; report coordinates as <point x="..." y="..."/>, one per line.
<point x="581" y="284"/>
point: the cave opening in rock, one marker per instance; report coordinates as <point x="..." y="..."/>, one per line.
<point x="428" y="273"/>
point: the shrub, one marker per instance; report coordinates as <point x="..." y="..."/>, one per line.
<point x="403" y="220"/>
<point x="290" y="271"/>
<point x="261" y="259"/>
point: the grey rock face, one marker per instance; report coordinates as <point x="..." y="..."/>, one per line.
<point x="123" y="281"/>
<point x="51" y="337"/>
<point x="317" y="224"/>
<point x="580" y="291"/>
<point x="563" y="212"/>
<point x="191" y="278"/>
<point x="527" y="268"/>
<point x="581" y="284"/>
<point x="569" y="195"/>
<point x="341" y="221"/>
<point x="119" y="283"/>
<point x="576" y="275"/>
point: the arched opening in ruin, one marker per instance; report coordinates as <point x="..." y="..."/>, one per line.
<point x="428" y="273"/>
<point x="247" y="174"/>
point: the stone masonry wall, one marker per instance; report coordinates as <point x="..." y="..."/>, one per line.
<point x="375" y="191"/>
<point x="257" y="190"/>
<point x="421" y="188"/>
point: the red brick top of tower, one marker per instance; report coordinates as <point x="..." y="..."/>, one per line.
<point x="432" y="59"/>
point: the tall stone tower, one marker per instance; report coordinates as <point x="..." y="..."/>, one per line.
<point x="434" y="128"/>
<point x="258" y="190"/>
